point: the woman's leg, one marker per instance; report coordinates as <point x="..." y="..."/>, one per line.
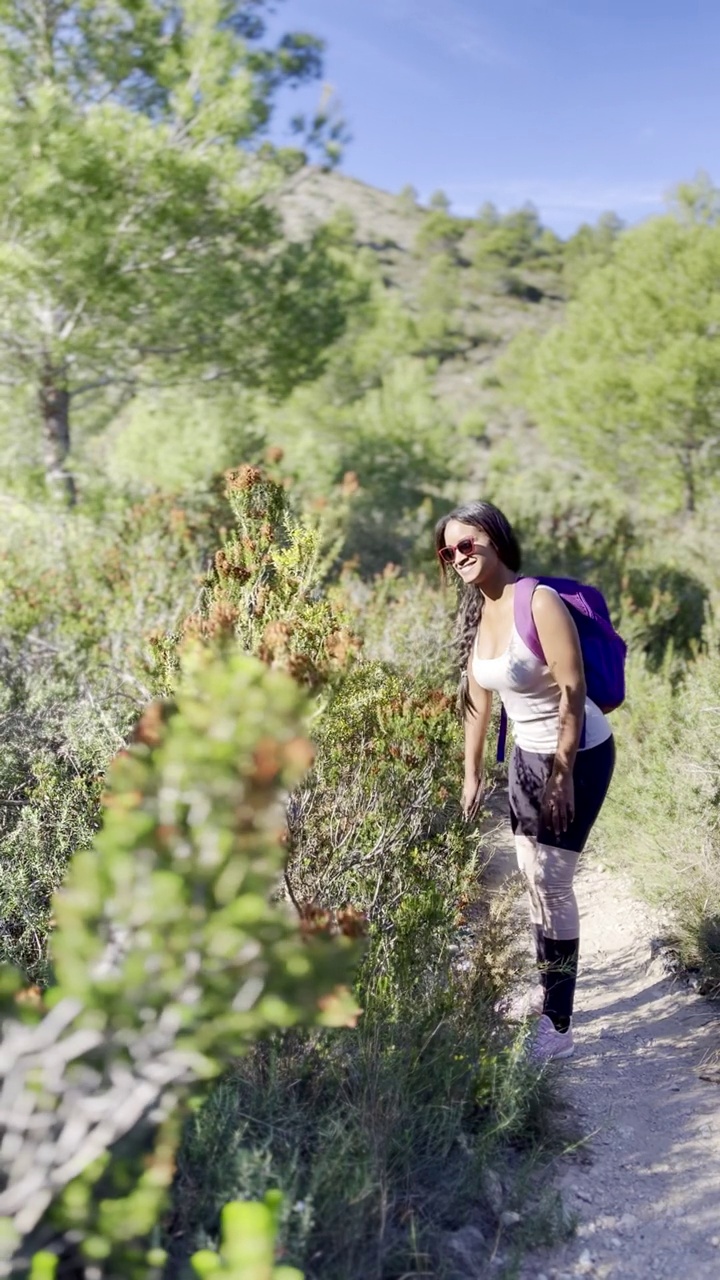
<point x="525" y="850"/>
<point x="555" y="870"/>
<point x="549" y="865"/>
<point x="554" y="874"/>
<point x="554" y="921"/>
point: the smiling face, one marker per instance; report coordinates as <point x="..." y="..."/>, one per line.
<point x="479" y="564"/>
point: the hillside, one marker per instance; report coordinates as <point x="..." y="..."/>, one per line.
<point x="489" y="315"/>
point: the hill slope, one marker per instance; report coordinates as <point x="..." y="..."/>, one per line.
<point x="492" y="306"/>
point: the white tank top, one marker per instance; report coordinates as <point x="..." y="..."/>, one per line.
<point x="531" y="697"/>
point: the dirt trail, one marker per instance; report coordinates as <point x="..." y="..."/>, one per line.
<point x="645" y="1183"/>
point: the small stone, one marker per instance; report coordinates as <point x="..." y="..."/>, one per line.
<point x="715" y="1240"/>
<point x="585" y="1258"/>
<point x="466" y="1245"/>
<point x="509" y="1219"/>
<point x="627" y="1222"/>
<point x="582" y="1194"/>
<point x="616" y="1242"/>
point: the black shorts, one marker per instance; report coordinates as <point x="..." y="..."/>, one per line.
<point x="529" y="774"/>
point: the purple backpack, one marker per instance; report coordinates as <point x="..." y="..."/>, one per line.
<point x="603" y="650"/>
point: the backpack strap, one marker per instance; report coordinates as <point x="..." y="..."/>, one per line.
<point x="502" y="736"/>
<point x="527" y="630"/>
<point x="524" y="621"/>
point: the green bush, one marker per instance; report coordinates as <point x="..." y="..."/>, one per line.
<point x="663" y="812"/>
<point x="169" y="959"/>
<point x="79" y="602"/>
<point x="406" y="620"/>
<point x="379" y="1138"/>
<point x="246" y="1252"/>
<point x="376" y="1138"/>
<point x="172" y="441"/>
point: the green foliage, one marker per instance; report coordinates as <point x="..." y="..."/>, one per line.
<point x="664" y="806"/>
<point x="246" y="1252"/>
<point x="439" y="232"/>
<point x="355" y="1127"/>
<point x="439" y="301"/>
<point x="139" y="53"/>
<point x="405" y="621"/>
<point x="697" y="201"/>
<point x="143" y="247"/>
<point x="378" y="1137"/>
<point x="375" y="418"/>
<point x="407" y="199"/>
<point x="58" y="733"/>
<point x="97" y="587"/>
<point x="383" y="783"/>
<point x="264" y="591"/>
<point x="590" y="247"/>
<point x="170" y="441"/>
<point x="169" y="958"/>
<point x="79" y="602"/>
<point x="512" y="240"/>
<point x="439" y="202"/>
<point x="629" y="381"/>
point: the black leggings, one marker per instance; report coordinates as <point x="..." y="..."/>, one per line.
<point x="549" y="861"/>
<point x="529" y="776"/>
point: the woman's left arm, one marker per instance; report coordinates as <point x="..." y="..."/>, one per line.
<point x="561" y="645"/>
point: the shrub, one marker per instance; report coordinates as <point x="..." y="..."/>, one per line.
<point x="376" y="1138"/>
<point x="663" y="810"/>
<point x="169" y="959"/>
<point x="246" y="1253"/>
<point x="80" y="599"/>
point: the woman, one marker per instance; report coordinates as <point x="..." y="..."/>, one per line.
<point x="556" y="787"/>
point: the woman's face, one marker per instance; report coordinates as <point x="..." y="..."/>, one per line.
<point x="471" y="565"/>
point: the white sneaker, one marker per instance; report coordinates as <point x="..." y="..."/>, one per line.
<point x="520" y="1008"/>
<point x="549" y="1044"/>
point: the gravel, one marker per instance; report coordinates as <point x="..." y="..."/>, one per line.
<point x="644" y="1180"/>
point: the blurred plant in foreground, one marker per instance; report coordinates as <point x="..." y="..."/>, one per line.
<point x="169" y="959"/>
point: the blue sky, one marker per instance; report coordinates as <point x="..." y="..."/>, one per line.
<point x="578" y="105"/>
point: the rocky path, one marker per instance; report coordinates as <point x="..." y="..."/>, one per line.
<point x="644" y="1181"/>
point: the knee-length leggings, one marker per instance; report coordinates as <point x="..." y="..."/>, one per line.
<point x="549" y="861"/>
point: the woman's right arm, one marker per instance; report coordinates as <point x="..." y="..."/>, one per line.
<point x="476" y="727"/>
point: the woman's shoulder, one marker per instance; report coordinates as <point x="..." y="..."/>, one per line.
<point x="547" y="603"/>
<point x="545" y="597"/>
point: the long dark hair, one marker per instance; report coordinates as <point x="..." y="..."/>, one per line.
<point x="489" y="519"/>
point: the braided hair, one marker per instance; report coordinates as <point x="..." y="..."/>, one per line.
<point x="486" y="517"/>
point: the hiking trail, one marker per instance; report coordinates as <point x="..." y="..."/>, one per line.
<point x="644" y="1178"/>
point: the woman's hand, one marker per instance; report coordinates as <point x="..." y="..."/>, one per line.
<point x="472" y="794"/>
<point x="558" y="804"/>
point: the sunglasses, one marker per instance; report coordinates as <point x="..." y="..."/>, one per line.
<point x="465" y="546"/>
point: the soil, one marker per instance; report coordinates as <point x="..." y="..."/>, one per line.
<point x="642" y="1096"/>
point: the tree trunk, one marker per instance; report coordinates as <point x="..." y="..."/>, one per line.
<point x="689" y="475"/>
<point x="55" y="411"/>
